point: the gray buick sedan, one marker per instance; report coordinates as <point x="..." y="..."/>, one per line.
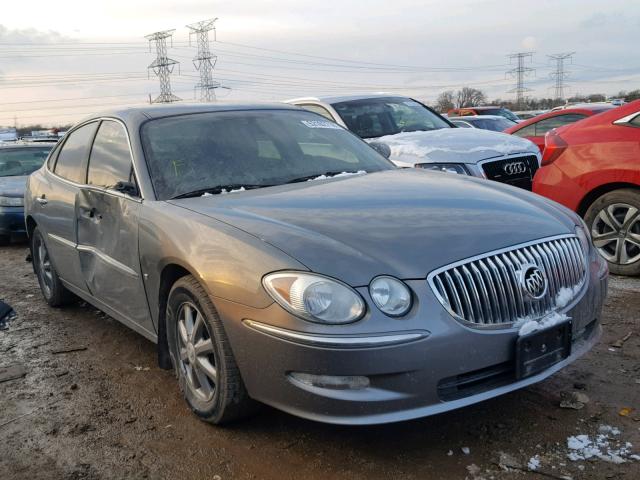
<point x="276" y="258"/>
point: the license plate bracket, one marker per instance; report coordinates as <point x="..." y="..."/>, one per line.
<point x="541" y="349"/>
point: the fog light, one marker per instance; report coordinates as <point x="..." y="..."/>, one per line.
<point x="351" y="382"/>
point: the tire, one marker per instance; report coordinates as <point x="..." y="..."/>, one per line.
<point x="201" y="352"/>
<point x="614" y="222"/>
<point x="53" y="291"/>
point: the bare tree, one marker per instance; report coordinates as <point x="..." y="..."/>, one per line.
<point x="444" y="102"/>
<point x="470" y="97"/>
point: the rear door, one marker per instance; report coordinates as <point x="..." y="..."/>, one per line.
<point x="107" y="213"/>
<point x="54" y="208"/>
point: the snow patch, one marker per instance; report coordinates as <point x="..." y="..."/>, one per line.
<point x="601" y="446"/>
<point x="529" y="326"/>
<point x="534" y="463"/>
<point x="565" y="295"/>
<point x="343" y="174"/>
<point x="416" y="144"/>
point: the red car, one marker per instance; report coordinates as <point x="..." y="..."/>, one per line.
<point x="593" y="167"/>
<point x="535" y="128"/>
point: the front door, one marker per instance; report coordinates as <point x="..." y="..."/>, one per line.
<point x="107" y="212"/>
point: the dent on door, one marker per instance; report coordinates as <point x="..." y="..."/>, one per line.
<point x="108" y="252"/>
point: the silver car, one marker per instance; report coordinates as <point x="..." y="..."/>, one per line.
<point x="275" y="258"/>
<point x="416" y="136"/>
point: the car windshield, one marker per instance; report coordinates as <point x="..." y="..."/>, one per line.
<point x="377" y="117"/>
<point x="215" y="152"/>
<point x="501" y="112"/>
<point x="22" y="161"/>
<point x="494" y="124"/>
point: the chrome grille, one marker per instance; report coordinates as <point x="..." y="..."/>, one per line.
<point x="485" y="291"/>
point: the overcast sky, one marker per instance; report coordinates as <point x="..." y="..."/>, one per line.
<point x="61" y="60"/>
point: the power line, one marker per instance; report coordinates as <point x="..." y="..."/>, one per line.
<point x="520" y="72"/>
<point x="163" y="66"/>
<point x="560" y="73"/>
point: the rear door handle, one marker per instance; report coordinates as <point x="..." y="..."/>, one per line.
<point x="42" y="200"/>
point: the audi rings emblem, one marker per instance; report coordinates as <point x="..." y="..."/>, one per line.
<point x="515" y="168"/>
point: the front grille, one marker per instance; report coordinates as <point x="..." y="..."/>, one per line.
<point x="486" y="291"/>
<point x="517" y="171"/>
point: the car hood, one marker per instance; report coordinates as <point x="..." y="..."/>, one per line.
<point x="13" y="186"/>
<point x="401" y="222"/>
<point x="453" y="145"/>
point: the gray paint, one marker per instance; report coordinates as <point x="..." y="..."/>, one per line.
<point x="400" y="222"/>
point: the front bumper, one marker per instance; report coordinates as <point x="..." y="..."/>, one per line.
<point x="12" y="221"/>
<point x="449" y="367"/>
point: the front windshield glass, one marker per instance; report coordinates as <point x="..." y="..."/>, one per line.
<point x="494" y="124"/>
<point x="22" y="161"/>
<point x="376" y="117"/>
<point x="501" y="112"/>
<point x="192" y="153"/>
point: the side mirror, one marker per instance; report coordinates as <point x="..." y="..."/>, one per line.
<point x="128" y="188"/>
<point x="382" y="148"/>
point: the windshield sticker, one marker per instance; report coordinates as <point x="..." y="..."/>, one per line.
<point x="321" y="124"/>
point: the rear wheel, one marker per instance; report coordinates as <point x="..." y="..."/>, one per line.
<point x="614" y="222"/>
<point x="53" y="290"/>
<point x="204" y="363"/>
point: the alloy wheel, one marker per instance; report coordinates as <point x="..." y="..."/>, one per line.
<point x="616" y="233"/>
<point x="195" y="347"/>
<point x="45" y="271"/>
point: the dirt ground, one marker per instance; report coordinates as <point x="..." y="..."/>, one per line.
<point x="106" y="411"/>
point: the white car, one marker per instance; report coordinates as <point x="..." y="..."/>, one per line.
<point x="495" y="123"/>
<point x="413" y="135"/>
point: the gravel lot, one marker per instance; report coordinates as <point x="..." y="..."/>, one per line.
<point x="106" y="411"/>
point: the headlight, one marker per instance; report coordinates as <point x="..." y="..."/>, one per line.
<point x="11" y="201"/>
<point x="584" y="236"/>
<point x="314" y="297"/>
<point x="445" y="167"/>
<point x="390" y="295"/>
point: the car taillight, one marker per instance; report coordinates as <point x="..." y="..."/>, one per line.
<point x="554" y="145"/>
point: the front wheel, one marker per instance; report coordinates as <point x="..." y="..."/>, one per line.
<point x="53" y="291"/>
<point x="204" y="363"/>
<point x="614" y="222"/>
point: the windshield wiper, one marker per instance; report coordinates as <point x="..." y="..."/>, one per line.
<point x="316" y="175"/>
<point x="219" y="189"/>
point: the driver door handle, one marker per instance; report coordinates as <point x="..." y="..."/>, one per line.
<point x="42" y="200"/>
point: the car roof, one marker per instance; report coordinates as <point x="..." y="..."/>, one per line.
<point x="483" y="107"/>
<point x="472" y="117"/>
<point x="330" y="99"/>
<point x="24" y="144"/>
<point x="137" y="114"/>
<point x="581" y="109"/>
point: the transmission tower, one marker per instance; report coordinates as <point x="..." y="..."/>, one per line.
<point x="560" y="73"/>
<point x="162" y="66"/>
<point x="205" y="61"/>
<point x="520" y="72"/>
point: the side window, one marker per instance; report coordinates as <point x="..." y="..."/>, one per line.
<point x="110" y="160"/>
<point x="528" y="131"/>
<point x="72" y="159"/>
<point x="318" y="109"/>
<point x="543" y="126"/>
<point x="635" y="121"/>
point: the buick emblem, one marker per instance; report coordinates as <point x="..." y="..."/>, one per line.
<point x="533" y="282"/>
<point x="514" y="168"/>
